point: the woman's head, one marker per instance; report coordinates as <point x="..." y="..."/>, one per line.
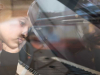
<point x="12" y="32"/>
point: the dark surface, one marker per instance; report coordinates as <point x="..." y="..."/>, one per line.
<point x="9" y="63"/>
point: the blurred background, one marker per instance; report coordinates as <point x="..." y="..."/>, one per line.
<point x="63" y="29"/>
<point x="13" y="8"/>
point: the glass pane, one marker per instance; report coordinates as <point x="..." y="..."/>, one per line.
<point x="67" y="35"/>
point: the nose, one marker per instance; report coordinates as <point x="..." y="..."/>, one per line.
<point x="25" y="32"/>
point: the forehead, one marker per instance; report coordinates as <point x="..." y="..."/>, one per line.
<point x="22" y="19"/>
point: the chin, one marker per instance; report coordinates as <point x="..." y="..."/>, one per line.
<point x="13" y="45"/>
<point x="11" y="48"/>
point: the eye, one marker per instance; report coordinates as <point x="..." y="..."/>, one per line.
<point x="22" y="22"/>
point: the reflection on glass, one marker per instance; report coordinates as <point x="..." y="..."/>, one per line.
<point x="69" y="34"/>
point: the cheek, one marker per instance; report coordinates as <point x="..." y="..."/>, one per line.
<point x="15" y="31"/>
<point x="12" y="34"/>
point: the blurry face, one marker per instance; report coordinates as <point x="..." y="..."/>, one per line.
<point x="36" y="43"/>
<point x="92" y="38"/>
<point x="96" y="36"/>
<point x="11" y="33"/>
